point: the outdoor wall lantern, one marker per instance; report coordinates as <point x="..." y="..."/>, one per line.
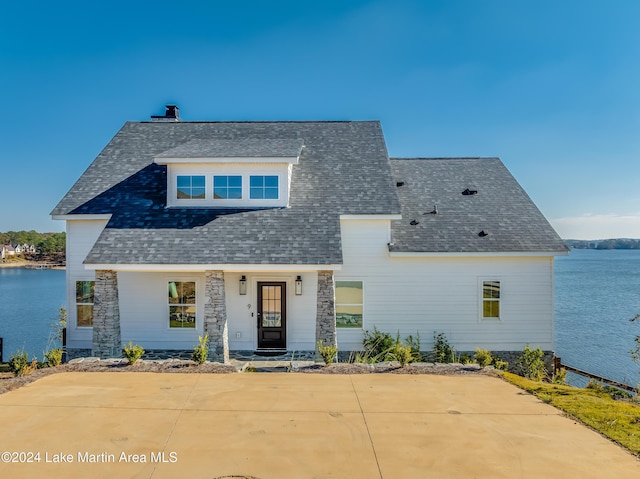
<point x="299" y="285"/>
<point x="243" y="285"/>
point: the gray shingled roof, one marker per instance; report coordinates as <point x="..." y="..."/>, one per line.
<point x="247" y="147"/>
<point x="343" y="169"/>
<point x="500" y="208"/>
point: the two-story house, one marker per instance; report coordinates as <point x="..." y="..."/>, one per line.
<point x="275" y="235"/>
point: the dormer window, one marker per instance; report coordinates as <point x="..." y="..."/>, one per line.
<point x="190" y="187"/>
<point x="241" y="173"/>
<point x="227" y="187"/>
<point x="263" y="187"/>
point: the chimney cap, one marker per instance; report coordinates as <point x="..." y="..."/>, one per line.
<point x="171" y="113"/>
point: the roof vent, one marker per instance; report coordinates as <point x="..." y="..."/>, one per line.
<point x="434" y="211"/>
<point x="470" y="192"/>
<point x="414" y="222"/>
<point x="170" y="114"/>
<point x="399" y="184"/>
<point x="483" y="233"/>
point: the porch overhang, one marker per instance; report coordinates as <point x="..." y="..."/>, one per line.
<point x="201" y="268"/>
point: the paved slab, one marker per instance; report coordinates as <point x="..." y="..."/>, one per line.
<point x="294" y="426"/>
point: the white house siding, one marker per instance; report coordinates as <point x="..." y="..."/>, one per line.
<point x="443" y="294"/>
<point x="81" y="236"/>
<point x="144" y="310"/>
<point x="301" y="310"/>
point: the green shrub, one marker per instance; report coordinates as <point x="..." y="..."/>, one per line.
<point x="483" y="357"/>
<point x="560" y="377"/>
<point x="132" y="352"/>
<point x="414" y="344"/>
<point x="500" y="364"/>
<point x="53" y="357"/>
<point x="18" y="363"/>
<point x="401" y="353"/>
<point x="328" y="352"/>
<point x="531" y="364"/>
<point x="466" y="359"/>
<point x="201" y="351"/>
<point x="442" y="350"/>
<point x="377" y="344"/>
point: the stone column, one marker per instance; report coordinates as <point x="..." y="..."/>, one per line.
<point x="215" y="317"/>
<point x="326" y="316"/>
<point x="106" y="316"/>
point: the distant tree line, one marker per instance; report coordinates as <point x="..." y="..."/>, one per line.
<point x="617" y="243"/>
<point x="47" y="244"/>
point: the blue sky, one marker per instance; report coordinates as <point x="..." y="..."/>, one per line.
<point x="550" y="87"/>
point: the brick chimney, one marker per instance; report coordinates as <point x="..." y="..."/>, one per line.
<point x="170" y="114"/>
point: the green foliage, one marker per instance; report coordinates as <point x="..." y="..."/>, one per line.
<point x="612" y="391"/>
<point x="531" y="364"/>
<point x="328" y="352"/>
<point x="559" y="377"/>
<point x="18" y="363"/>
<point x="414" y="344"/>
<point x="483" y="357"/>
<point x="201" y="351"/>
<point x="376" y="344"/>
<point x="132" y="352"/>
<point x="401" y="353"/>
<point x="500" y="364"/>
<point x="53" y="357"/>
<point x="45" y="243"/>
<point x="379" y="346"/>
<point x="442" y="350"/>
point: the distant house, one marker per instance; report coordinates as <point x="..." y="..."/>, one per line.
<point x="271" y="236"/>
<point x="7" y="250"/>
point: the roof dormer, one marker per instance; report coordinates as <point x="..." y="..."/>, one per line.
<point x="241" y="173"/>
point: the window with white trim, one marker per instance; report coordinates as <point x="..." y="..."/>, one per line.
<point x="263" y="187"/>
<point x="227" y="187"/>
<point x="182" y="304"/>
<point x="491" y="299"/>
<point x="190" y="187"/>
<point x="349" y="304"/>
<point x="84" y="303"/>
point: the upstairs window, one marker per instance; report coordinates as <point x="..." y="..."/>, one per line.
<point x="491" y="299"/>
<point x="227" y="187"/>
<point x="191" y="187"/>
<point x="84" y="303"/>
<point x="263" y="187"/>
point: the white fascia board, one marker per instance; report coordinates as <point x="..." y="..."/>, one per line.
<point x="237" y="268"/>
<point x="418" y="254"/>
<point x="81" y="217"/>
<point x="230" y="159"/>
<point x="371" y="217"/>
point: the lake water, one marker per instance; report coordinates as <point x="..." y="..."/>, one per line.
<point x="597" y="292"/>
<point x="29" y="302"/>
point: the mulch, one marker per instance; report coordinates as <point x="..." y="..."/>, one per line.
<point x="9" y="383"/>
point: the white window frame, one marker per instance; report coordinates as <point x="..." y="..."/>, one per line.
<point x="76" y="303"/>
<point x="168" y="304"/>
<point x="360" y="280"/>
<point x="482" y="299"/>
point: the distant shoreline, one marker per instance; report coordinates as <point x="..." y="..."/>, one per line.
<point x="24" y="264"/>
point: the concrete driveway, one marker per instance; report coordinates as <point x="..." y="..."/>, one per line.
<point x="272" y="426"/>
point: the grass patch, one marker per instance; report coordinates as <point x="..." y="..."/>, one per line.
<point x="617" y="420"/>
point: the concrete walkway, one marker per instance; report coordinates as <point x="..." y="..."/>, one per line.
<point x="275" y="426"/>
